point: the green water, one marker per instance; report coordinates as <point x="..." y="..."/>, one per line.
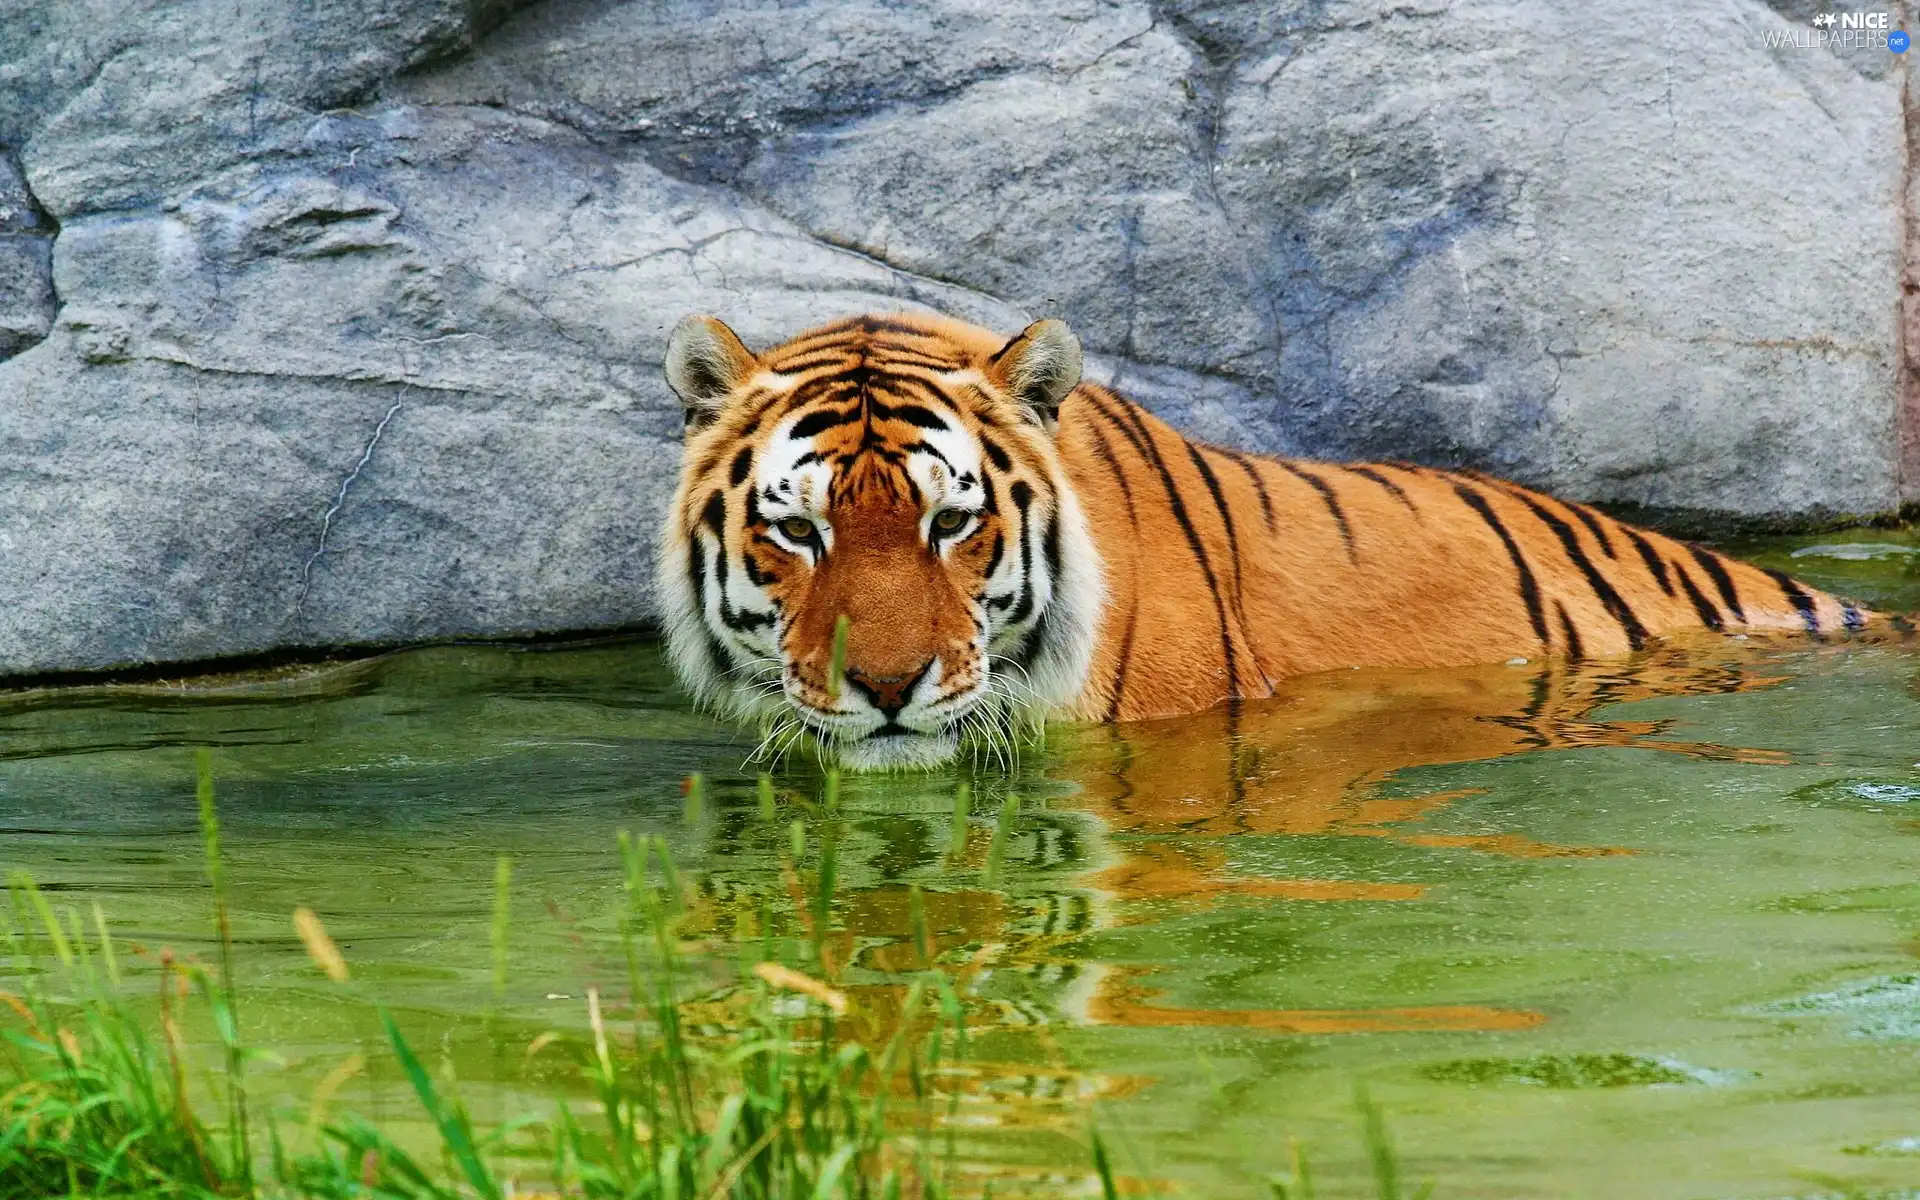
<point x="1647" y="928"/>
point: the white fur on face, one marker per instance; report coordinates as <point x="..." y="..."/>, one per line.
<point x="790" y="481"/>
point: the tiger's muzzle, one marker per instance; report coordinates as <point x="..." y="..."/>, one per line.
<point x="900" y="720"/>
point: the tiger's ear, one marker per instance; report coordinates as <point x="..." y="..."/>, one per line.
<point x="1038" y="368"/>
<point x="706" y="362"/>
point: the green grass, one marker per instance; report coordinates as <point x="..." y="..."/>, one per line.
<point x="96" y="1100"/>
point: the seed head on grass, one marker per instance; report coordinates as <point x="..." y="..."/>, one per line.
<point x="694" y="787"/>
<point x="319" y="944"/>
<point x="788" y="979"/>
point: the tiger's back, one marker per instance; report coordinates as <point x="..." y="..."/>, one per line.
<point x="1227" y="571"/>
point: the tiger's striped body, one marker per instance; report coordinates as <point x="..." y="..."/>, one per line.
<point x="1002" y="536"/>
<point x="1227" y="572"/>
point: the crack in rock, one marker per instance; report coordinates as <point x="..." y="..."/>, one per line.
<point x="339" y="502"/>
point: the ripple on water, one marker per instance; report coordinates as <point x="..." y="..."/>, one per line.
<point x="1574" y="1071"/>
<point x="1901" y="1147"/>
<point x="1884" y="1009"/>
<point x="1855" y="792"/>
<point x="1856" y="551"/>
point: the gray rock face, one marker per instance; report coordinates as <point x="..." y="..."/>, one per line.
<point x="360" y="307"/>
<point x="26" y="265"/>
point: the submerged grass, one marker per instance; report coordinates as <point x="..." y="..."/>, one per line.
<point x="96" y="1100"/>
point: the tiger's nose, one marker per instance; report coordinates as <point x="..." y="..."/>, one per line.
<point x="889" y="693"/>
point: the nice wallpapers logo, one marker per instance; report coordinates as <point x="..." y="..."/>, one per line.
<point x="1843" y="31"/>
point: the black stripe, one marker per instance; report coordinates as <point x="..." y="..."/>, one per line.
<point x="901" y="356"/>
<point x="913" y="386"/>
<point x="928" y="392"/>
<point x="1143" y="441"/>
<point x="1233" y="538"/>
<point x="1022" y="494"/>
<point x="1581" y="512"/>
<point x="1253" y="477"/>
<point x="995" y="453"/>
<point x="1126" y="655"/>
<point x="815" y="423"/>
<point x="1104" y="451"/>
<point x="1031" y="645"/>
<point x="872" y="323"/>
<point x="1851" y="615"/>
<point x="714" y="516"/>
<point x="1036" y="639"/>
<point x="1529" y="590"/>
<point x="1366" y="472"/>
<point x="930" y="448"/>
<point x="697" y="573"/>
<point x="912" y="414"/>
<point x="807" y="361"/>
<point x="742" y="463"/>
<point x="737" y="619"/>
<point x="1635" y="631"/>
<point x="1329" y="499"/>
<point x="1702" y="607"/>
<point x="1592" y="522"/>
<point x="1652" y="558"/>
<point x="1797" y="596"/>
<point x="993" y="560"/>
<point x="1717" y="571"/>
<point x="1575" y="652"/>
<point x="755" y="575"/>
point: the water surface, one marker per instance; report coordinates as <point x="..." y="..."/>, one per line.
<point x="1645" y="927"/>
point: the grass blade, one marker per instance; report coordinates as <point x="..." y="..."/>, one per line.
<point x="1373" y="1131"/>
<point x="837" y="664"/>
<point x="502" y="917"/>
<point x="455" y="1129"/>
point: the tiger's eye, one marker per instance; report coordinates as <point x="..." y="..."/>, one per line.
<point x="949" y="520"/>
<point x="797" y="529"/>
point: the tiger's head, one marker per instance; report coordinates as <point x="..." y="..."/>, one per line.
<point x="900" y="472"/>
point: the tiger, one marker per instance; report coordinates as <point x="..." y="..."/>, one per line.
<point x="1008" y="542"/>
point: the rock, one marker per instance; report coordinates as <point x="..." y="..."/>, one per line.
<point x="360" y="307"/>
<point x="26" y="265"/>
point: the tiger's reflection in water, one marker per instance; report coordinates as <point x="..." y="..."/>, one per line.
<point x="1140" y="833"/>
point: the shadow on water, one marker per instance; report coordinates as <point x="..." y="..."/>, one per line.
<point x="1592" y="930"/>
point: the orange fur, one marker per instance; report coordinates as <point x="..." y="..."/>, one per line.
<point x="1228" y="572"/>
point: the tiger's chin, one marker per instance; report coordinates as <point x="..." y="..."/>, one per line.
<point x="898" y="752"/>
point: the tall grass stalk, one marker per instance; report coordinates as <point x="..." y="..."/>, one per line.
<point x="957" y="827"/>
<point x="502" y="923"/>
<point x="837" y="661"/>
<point x="1002" y="831"/>
<point x="226" y="1012"/>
